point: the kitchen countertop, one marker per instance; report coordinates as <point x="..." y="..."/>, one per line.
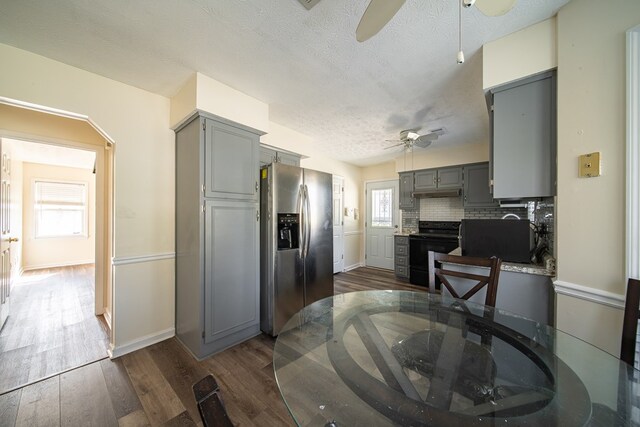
<point x="548" y="268"/>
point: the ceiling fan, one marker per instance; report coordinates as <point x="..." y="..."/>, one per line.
<point x="379" y="12"/>
<point x="411" y="138"/>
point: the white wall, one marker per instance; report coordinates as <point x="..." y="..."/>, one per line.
<point x="55" y="251"/>
<point x="138" y="121"/>
<point x="591" y="117"/>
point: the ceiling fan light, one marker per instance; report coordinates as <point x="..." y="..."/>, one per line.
<point x="413" y="135"/>
<point x="460" y="57"/>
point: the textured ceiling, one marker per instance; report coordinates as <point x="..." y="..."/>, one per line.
<point x="307" y="65"/>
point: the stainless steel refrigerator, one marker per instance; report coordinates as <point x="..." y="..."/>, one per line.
<point x="296" y="242"/>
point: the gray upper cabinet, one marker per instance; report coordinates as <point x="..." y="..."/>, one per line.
<point x="426" y="179"/>
<point x="524" y="138"/>
<point x="406" y="190"/>
<point x="439" y="179"/>
<point x="269" y="155"/>
<point x="217" y="235"/>
<point x="477" y="192"/>
<point x="231" y="156"/>
<point x="450" y="177"/>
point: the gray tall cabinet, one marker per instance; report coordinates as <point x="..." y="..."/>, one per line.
<point x="217" y="234"/>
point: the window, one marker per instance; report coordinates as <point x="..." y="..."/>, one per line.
<point x="382" y="207"/>
<point x="60" y="209"/>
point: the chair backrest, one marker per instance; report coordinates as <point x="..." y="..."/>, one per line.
<point x="630" y="323"/>
<point x="438" y="269"/>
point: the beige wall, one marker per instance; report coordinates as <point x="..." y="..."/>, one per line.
<point x="55" y="251"/>
<point x="438" y="157"/>
<point x="523" y="53"/>
<point x="591" y="117"/>
<point x="138" y="121"/>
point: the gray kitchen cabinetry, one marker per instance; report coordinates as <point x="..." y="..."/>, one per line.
<point x="401" y="257"/>
<point x="523" y="142"/>
<point x="269" y="155"/>
<point x="407" y="200"/>
<point x="476" y="189"/>
<point x="217" y="240"/>
<point x="438" y="179"/>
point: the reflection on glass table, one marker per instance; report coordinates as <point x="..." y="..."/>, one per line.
<point x="413" y="358"/>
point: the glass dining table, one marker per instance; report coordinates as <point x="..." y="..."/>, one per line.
<point x="378" y="358"/>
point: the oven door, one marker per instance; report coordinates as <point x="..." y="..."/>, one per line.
<point x="419" y="247"/>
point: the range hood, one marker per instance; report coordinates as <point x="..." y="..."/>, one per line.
<point x="449" y="192"/>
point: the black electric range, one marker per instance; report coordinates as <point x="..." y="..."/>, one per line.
<point x="437" y="236"/>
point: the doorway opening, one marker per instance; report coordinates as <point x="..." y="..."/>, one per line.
<point x="57" y="281"/>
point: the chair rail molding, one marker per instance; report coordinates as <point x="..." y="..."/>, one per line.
<point x="142" y="258"/>
<point x="633" y="155"/>
<point x="589" y="294"/>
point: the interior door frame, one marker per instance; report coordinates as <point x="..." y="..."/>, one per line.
<point x="341" y="213"/>
<point x="396" y="210"/>
<point x="632" y="263"/>
<point x="57" y="127"/>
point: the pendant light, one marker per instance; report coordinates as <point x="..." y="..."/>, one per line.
<point x="460" y="58"/>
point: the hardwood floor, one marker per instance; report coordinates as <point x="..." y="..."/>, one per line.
<point x="51" y="327"/>
<point x="152" y="386"/>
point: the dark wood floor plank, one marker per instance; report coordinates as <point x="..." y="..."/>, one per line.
<point x="9" y="403"/>
<point x="51" y="327"/>
<point x="182" y="420"/>
<point x="84" y="399"/>
<point x="158" y="398"/>
<point x="134" y="419"/>
<point x="123" y="396"/>
<point x="40" y="404"/>
<point x="181" y="371"/>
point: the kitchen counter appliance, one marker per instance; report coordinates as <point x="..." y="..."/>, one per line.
<point x="508" y="239"/>
<point x="296" y="242"/>
<point x="437" y="236"/>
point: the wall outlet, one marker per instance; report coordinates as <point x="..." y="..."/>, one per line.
<point x="589" y="165"/>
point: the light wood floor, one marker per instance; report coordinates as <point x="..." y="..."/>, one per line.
<point x="152" y="386"/>
<point x="51" y="326"/>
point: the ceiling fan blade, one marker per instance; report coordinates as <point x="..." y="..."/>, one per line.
<point x="378" y="13"/>
<point x="495" y="7"/>
<point x="395" y="145"/>
<point x="424" y="141"/>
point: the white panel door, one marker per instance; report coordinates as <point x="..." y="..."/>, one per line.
<point x="381" y="223"/>
<point x="338" y="224"/>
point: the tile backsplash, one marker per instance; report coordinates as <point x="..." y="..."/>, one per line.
<point x="441" y="209"/>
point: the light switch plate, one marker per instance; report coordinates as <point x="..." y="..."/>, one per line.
<point x="589" y="165"/>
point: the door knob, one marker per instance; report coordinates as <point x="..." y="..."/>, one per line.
<point x="13" y="239"/>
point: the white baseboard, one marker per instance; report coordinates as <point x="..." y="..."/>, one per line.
<point x="353" y="267"/>
<point x="58" y="264"/>
<point x="589" y="294"/>
<point x="143" y="342"/>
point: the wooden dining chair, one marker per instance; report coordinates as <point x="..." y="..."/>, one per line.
<point x="439" y="270"/>
<point x="210" y="405"/>
<point x="630" y="323"/>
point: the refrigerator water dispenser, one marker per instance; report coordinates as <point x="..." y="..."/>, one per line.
<point x="288" y="230"/>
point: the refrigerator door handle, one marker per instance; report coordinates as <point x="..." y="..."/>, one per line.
<point x="307" y="220"/>
<point x="302" y="229"/>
